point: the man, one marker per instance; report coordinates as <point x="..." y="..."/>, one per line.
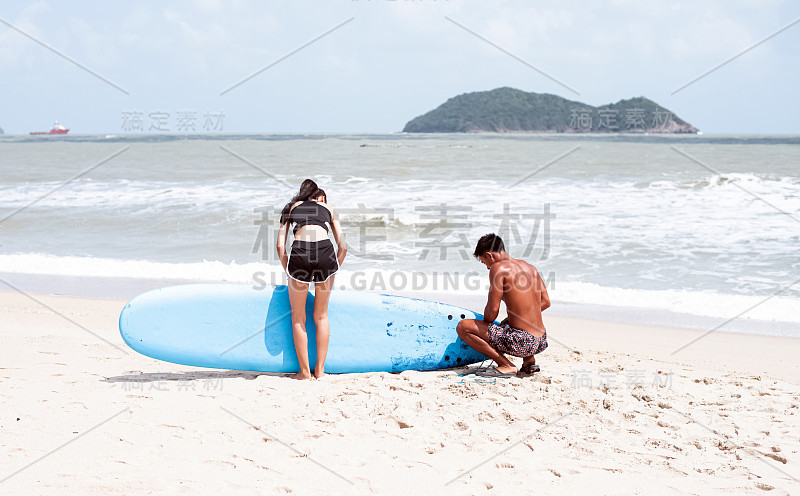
<point x="522" y="333"/>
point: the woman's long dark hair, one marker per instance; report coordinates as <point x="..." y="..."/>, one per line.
<point x="307" y="191"/>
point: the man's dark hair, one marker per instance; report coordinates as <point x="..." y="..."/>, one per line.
<point x="489" y="243"/>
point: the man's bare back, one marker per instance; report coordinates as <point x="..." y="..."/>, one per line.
<point x="524" y="294"/>
<point x="522" y="333"/>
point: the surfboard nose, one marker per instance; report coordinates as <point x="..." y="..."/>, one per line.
<point x="124" y="319"/>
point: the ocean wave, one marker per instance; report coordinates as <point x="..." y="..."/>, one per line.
<point x="401" y="194"/>
<point x="702" y="303"/>
<point x="692" y="302"/>
<point x="720" y="181"/>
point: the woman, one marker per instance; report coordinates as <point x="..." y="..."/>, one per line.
<point x="312" y="260"/>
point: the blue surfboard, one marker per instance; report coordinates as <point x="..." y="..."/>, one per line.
<point x="234" y="326"/>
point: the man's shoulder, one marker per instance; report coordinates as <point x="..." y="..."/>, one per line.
<point x="516" y="264"/>
<point x="504" y="268"/>
<point x="523" y="264"/>
<point x="531" y="267"/>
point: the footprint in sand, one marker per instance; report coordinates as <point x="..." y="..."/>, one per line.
<point x="777" y="458"/>
<point x="220" y="462"/>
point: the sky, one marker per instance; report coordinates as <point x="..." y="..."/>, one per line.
<point x="373" y="65"/>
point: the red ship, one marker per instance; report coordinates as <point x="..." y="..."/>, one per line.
<point x="57" y="129"/>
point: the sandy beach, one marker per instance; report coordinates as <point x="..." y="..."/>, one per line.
<point x="632" y="153"/>
<point x="613" y="411"/>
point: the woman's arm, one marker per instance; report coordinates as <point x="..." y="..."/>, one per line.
<point x="283" y="235"/>
<point x="338" y="236"/>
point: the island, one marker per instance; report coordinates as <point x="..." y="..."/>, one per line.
<point x="505" y="110"/>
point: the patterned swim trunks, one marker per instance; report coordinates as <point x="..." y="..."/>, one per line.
<point x="516" y="342"/>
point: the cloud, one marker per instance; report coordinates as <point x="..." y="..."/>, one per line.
<point x="197" y="33"/>
<point x="97" y="49"/>
<point x="167" y="53"/>
<point x="15" y="48"/>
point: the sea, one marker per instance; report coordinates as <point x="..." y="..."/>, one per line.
<point x="697" y="231"/>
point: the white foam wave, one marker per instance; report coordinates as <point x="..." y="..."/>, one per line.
<point x="724" y="181"/>
<point x="701" y="303"/>
<point x="354" y="190"/>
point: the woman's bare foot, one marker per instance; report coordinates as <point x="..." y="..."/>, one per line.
<point x="319" y="371"/>
<point x="302" y="376"/>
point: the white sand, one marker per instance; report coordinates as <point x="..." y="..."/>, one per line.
<point x="97" y="418"/>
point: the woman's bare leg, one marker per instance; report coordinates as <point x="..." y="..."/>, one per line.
<point x="322" y="294"/>
<point x="297" y="299"/>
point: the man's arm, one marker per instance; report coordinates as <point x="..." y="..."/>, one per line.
<point x="545" y="298"/>
<point x="496" y="275"/>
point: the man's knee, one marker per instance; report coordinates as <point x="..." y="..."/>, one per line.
<point x="464" y="327"/>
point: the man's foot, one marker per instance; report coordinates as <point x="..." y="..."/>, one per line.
<point x="506" y="369"/>
<point x="496" y="373"/>
<point x="302" y="376"/>
<point x="529" y="369"/>
<point x="529" y="365"/>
